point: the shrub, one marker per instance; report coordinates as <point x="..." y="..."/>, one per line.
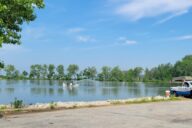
<point x="17" y="103"/>
<point x="2" y="107"/>
<point x="52" y="105"/>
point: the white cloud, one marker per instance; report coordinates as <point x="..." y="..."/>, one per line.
<point x="185" y="37"/>
<point x="77" y="34"/>
<point x="139" y="9"/>
<point x="85" y="39"/>
<point x="130" y="42"/>
<point x="171" y="17"/>
<point x="75" y="30"/>
<point x="125" y="41"/>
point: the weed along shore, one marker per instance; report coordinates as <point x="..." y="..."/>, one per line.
<point x="18" y="108"/>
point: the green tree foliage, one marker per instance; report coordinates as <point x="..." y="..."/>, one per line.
<point x="90" y="72"/>
<point x="32" y="72"/>
<point x="24" y="75"/>
<point x="116" y="74"/>
<point x="60" y="72"/>
<point x="13" y="13"/>
<point x="1" y="65"/>
<point x="72" y="71"/>
<point x="105" y="73"/>
<point x="35" y="71"/>
<point x="38" y="71"/>
<point x="148" y="75"/>
<point x="44" y="71"/>
<point x="129" y="75"/>
<point x="51" y="71"/>
<point x="163" y="72"/>
<point x="10" y="71"/>
<point x="137" y="73"/>
<point x="80" y="76"/>
<point x="133" y="74"/>
<point x="16" y="74"/>
<point x="183" y="67"/>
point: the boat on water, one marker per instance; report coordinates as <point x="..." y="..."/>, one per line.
<point x="70" y="84"/>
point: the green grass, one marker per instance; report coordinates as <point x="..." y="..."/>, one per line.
<point x="3" y="107"/>
<point x="145" y="100"/>
<point x="52" y="105"/>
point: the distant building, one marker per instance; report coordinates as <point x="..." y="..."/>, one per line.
<point x="182" y="79"/>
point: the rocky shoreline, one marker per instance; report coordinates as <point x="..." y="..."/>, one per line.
<point x="38" y="107"/>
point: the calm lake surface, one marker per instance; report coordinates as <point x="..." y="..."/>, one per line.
<point x="31" y="91"/>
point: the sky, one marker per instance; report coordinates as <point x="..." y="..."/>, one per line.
<point x="124" y="33"/>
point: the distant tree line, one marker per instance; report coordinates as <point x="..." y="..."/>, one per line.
<point x="163" y="72"/>
<point x="42" y="72"/>
<point x="166" y="72"/>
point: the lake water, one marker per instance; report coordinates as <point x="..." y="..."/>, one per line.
<point x="31" y="91"/>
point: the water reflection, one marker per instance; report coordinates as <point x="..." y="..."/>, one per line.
<point x="35" y="82"/>
<point x="60" y="91"/>
<point x="51" y="91"/>
<point x="9" y="90"/>
<point x="72" y="91"/>
<point x="51" y="82"/>
<point x="60" y="83"/>
<point x="39" y="91"/>
<point x="88" y="83"/>
<point x="110" y="91"/>
<point x="43" y="90"/>
<point x="90" y="90"/>
<point x="11" y="82"/>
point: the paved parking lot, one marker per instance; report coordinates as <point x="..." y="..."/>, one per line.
<point x="152" y="115"/>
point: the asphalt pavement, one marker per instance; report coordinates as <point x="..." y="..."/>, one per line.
<point x="176" y="114"/>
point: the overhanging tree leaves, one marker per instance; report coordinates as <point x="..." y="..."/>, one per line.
<point x="1" y="64"/>
<point x="13" y="13"/>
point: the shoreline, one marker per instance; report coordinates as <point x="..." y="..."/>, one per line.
<point x="150" y="81"/>
<point x="44" y="107"/>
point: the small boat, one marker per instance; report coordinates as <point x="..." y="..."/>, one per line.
<point x="70" y="84"/>
<point x="64" y="85"/>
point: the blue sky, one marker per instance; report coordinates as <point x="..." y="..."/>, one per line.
<point x="127" y="33"/>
